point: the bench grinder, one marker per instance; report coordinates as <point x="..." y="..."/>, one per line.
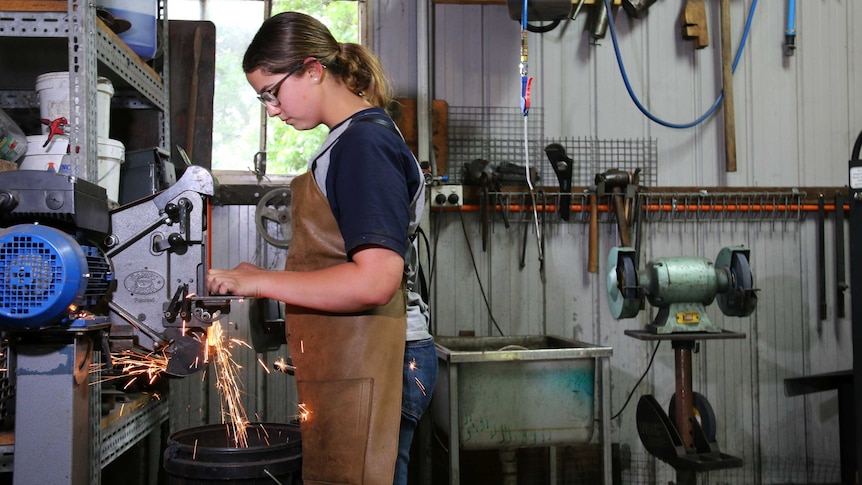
<point x="680" y="288"/>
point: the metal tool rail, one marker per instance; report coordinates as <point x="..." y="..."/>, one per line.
<point x="792" y="204"/>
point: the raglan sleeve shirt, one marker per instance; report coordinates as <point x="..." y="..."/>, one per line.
<point x="369" y="185"/>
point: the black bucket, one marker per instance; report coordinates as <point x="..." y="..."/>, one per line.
<point x="206" y="455"/>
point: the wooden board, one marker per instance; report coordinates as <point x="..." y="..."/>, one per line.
<point x="34" y="6"/>
<point x="403" y="112"/>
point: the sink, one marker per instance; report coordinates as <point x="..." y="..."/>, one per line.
<point x="519" y="391"/>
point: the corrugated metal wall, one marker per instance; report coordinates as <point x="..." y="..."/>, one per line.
<point x="796" y="118"/>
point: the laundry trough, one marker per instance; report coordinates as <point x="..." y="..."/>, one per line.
<point x="518" y="392"/>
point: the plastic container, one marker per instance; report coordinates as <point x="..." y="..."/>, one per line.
<point x="111" y="156"/>
<point x="38" y="157"/>
<point x="53" y="91"/>
<point x="143" y="15"/>
<point x="13" y="143"/>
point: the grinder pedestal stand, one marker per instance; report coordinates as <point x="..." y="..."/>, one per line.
<point x="682" y="442"/>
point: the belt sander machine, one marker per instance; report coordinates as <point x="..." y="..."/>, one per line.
<point x="69" y="262"/>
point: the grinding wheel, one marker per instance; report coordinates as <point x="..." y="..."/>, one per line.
<point x="622" y="283"/>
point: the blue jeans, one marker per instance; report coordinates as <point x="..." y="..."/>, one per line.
<point x="420" y="375"/>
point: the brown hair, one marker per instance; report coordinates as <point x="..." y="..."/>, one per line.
<point x="285" y="40"/>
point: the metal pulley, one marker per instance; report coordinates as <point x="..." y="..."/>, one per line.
<point x="272" y="217"/>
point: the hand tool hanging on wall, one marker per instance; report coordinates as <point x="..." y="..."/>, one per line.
<point x="840" y="274"/>
<point x="821" y="256"/>
<point x="637" y="8"/>
<point x="612" y="182"/>
<point x="562" y="166"/>
<point x="694" y="26"/>
<point x="727" y="88"/>
<point x="593" y="245"/>
<point x="598" y="22"/>
<point x="790" y="31"/>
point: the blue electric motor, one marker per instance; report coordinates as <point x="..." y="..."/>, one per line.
<point x="47" y="277"/>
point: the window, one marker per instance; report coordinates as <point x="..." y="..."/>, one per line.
<point x="238" y="117"/>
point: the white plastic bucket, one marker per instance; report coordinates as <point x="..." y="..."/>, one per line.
<point x="39" y="157"/>
<point x="53" y="91"/>
<point x="112" y="153"/>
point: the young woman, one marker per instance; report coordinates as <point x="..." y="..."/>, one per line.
<point x="350" y="301"/>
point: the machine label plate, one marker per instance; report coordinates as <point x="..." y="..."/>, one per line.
<point x="144" y="282"/>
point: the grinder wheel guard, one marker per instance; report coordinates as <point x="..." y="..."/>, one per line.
<point x="272" y="217"/>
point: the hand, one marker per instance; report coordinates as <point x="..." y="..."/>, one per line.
<point x="243" y="280"/>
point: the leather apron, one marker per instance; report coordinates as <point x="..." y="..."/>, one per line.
<point x="348" y="366"/>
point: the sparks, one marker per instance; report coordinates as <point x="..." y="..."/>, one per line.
<point x="412" y="365"/>
<point x="135" y="364"/>
<point x="195" y="450"/>
<point x="421" y="386"/>
<point x="281" y="365"/>
<point x="302" y="346"/>
<point x="227" y="382"/>
<point x="304" y="412"/>
<point x="262" y="364"/>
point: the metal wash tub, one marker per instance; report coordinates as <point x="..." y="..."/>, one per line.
<point x="518" y="392"/>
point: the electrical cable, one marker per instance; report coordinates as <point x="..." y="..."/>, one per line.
<point x="634" y="97"/>
<point x="857" y="147"/>
<point x="436" y="238"/>
<point x="526" y="81"/>
<point x="478" y="278"/>
<point x="631" y="393"/>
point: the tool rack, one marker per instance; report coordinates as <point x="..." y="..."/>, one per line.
<point x="25" y="25"/>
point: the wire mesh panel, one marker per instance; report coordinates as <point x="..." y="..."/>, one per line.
<point x="496" y="134"/>
<point x="592" y="156"/>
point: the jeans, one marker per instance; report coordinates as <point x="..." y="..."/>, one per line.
<point x="420" y="375"/>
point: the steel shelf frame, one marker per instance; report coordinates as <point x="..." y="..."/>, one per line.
<point x="89" y="41"/>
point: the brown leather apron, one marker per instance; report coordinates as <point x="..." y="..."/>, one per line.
<point x="348" y="367"/>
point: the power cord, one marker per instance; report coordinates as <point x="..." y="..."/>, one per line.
<point x="631" y="393"/>
<point x="476" y="272"/>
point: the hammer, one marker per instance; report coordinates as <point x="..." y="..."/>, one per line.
<point x="616" y="180"/>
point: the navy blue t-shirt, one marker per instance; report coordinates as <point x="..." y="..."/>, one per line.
<point x="371" y="180"/>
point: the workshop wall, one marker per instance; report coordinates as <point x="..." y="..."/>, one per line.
<point x="796" y="118"/>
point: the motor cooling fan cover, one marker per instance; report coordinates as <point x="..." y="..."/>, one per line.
<point x="41" y="274"/>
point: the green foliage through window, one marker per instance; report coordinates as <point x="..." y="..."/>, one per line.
<point x="236" y="110"/>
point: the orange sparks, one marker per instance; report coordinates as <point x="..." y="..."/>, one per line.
<point x="281" y="365"/>
<point x="195" y="450"/>
<point x="302" y="346"/>
<point x="412" y="365"/>
<point x="137" y="365"/>
<point x="304" y="412"/>
<point x="227" y="383"/>
<point x="262" y="364"/>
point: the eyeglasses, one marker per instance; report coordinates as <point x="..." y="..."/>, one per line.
<point x="269" y="97"/>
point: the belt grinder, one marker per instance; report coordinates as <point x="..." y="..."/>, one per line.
<point x="67" y="260"/>
<point x="681" y="288"/>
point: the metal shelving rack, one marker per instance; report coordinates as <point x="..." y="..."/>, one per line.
<point x="89" y="42"/>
